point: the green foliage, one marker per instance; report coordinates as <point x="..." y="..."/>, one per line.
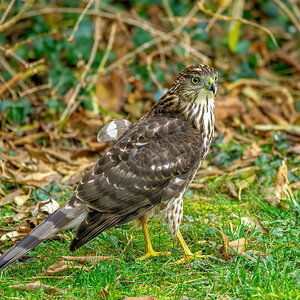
<point x="16" y="111"/>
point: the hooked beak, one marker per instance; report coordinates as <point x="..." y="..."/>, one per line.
<point x="213" y="88"/>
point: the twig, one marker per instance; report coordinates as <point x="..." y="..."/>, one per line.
<point x="11" y="82"/>
<point x="105" y="56"/>
<point x="169" y="12"/>
<point x="165" y="37"/>
<point x="109" y="47"/>
<point x="10" y="5"/>
<point x="18" y="58"/>
<point x="97" y="38"/>
<point x="10" y="51"/>
<point x="36" y="89"/>
<point x="72" y="105"/>
<point x="288" y="13"/>
<point x="296" y="8"/>
<point x="244" y="21"/>
<point x="219" y="11"/>
<point x="293" y="129"/>
<point x="17" y="17"/>
<point x="19" y="76"/>
<point x="12" y="92"/>
<point x="79" y="20"/>
<point x="156" y="82"/>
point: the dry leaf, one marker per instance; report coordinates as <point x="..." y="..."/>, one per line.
<point x="111" y="92"/>
<point x="104" y="292"/>
<point x="62" y="266"/>
<point x="224" y="250"/>
<point x="10" y="197"/>
<point x="29" y="139"/>
<point x="282" y="189"/>
<point x="239" y="245"/>
<point x="33" y="286"/>
<point x="21" y="200"/>
<point x="38" y="179"/>
<point x="10" y="235"/>
<point x="253" y="151"/>
<point x="86" y="259"/>
<point x="46" y="208"/>
<point x="28" y="225"/>
<point x="231" y="188"/>
<point x="254" y="222"/>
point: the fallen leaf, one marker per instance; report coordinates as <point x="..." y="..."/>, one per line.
<point x="10" y="197"/>
<point x="294" y="149"/>
<point x="10" y="235"/>
<point x="104" y="292"/>
<point x="46" y="208"/>
<point x="239" y="245"/>
<point x="29" y="139"/>
<point x="86" y="259"/>
<point x="111" y="92"/>
<point x="282" y="189"/>
<point x="253" y="151"/>
<point x="21" y="200"/>
<point x="62" y="266"/>
<point x="38" y="179"/>
<point x="224" y="250"/>
<point x="33" y="286"/>
<point x="231" y="188"/>
<point x="28" y="225"/>
<point x="254" y="222"/>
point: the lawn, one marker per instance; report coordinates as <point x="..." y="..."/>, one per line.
<point x="267" y="269"/>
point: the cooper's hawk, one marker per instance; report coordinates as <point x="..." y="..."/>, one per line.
<point x="145" y="172"/>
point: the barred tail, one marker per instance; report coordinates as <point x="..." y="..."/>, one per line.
<point x="67" y="216"/>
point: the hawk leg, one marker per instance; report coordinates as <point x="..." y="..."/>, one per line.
<point x="150" y="251"/>
<point x="189" y="256"/>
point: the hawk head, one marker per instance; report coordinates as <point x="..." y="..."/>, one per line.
<point x="195" y="83"/>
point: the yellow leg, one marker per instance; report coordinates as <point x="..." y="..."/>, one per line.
<point x="150" y="251"/>
<point x="188" y="254"/>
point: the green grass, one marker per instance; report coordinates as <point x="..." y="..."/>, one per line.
<point x="272" y="277"/>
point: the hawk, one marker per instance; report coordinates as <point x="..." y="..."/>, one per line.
<point x="145" y="172"/>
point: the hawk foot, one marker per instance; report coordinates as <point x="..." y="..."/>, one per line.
<point x="197" y="256"/>
<point x="153" y="253"/>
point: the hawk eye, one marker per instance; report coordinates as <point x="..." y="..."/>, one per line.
<point x="195" y="80"/>
<point x="216" y="78"/>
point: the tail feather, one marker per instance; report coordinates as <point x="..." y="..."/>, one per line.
<point x="60" y="219"/>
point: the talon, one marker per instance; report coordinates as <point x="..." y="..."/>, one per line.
<point x="153" y="254"/>
<point x="190" y="258"/>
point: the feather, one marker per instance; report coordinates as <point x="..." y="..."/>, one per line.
<point x="71" y="210"/>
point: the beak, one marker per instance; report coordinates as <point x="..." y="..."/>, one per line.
<point x="213" y="88"/>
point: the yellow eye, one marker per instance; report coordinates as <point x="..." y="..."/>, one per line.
<point x="216" y="78"/>
<point x="195" y="80"/>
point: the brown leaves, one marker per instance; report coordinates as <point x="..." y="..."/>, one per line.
<point x="33" y="286"/>
<point x="69" y="263"/>
<point x="282" y="190"/>
<point x="46" y="208"/>
<point x="229" y="249"/>
<point x="111" y="92"/>
<point x="62" y="266"/>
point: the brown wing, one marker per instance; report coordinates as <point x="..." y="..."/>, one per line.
<point x="152" y="162"/>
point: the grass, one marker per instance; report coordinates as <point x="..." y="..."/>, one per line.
<point x="273" y="275"/>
